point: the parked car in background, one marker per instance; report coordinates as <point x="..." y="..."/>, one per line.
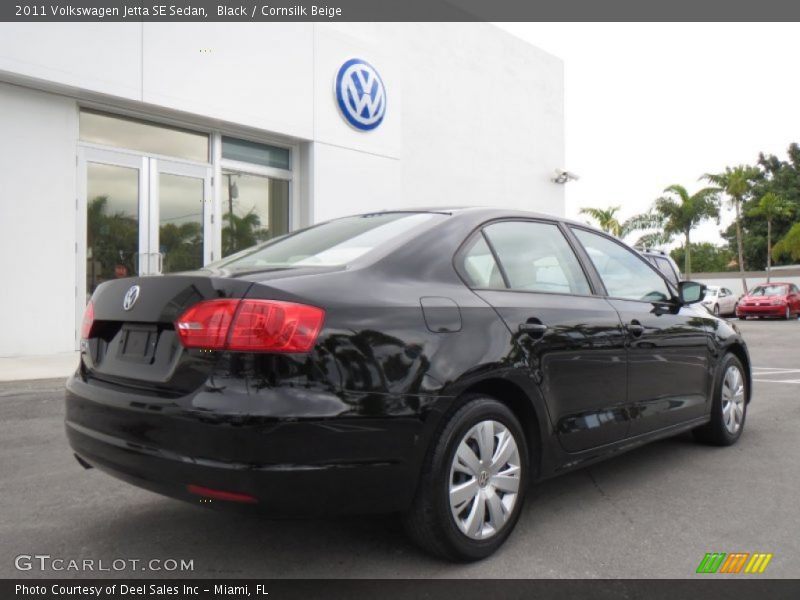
<point x="719" y="300"/>
<point x="775" y="299"/>
<point x="664" y="263"/>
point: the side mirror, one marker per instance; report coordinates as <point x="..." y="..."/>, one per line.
<point x="691" y="291"/>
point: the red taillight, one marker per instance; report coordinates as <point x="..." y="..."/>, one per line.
<point x="250" y="325"/>
<point x="205" y="492"/>
<point x="206" y="324"/>
<point x="88" y="321"/>
<point x="268" y="325"/>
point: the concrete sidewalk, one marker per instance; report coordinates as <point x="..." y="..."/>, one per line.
<point x="51" y="366"/>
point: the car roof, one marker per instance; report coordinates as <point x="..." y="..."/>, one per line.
<point x="482" y="212"/>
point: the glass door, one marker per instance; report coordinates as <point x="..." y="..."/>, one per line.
<point x="114" y="202"/>
<point x="180" y="236"/>
<point x="138" y="215"/>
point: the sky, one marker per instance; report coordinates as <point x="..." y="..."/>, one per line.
<point x="648" y="105"/>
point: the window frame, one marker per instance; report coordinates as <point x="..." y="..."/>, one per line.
<point x="459" y="255"/>
<point x="571" y="227"/>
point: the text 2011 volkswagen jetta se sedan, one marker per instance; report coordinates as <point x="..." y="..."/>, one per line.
<point x="429" y="362"/>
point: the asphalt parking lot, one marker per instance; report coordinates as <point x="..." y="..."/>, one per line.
<point x="651" y="513"/>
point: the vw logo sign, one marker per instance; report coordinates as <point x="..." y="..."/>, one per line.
<point x="131" y="296"/>
<point x="360" y="94"/>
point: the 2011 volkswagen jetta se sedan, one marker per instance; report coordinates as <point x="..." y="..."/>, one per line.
<point x="428" y="362"/>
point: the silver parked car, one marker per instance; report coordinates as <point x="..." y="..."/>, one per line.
<point x="719" y="300"/>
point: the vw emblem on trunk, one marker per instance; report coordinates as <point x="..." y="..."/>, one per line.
<point x="360" y="94"/>
<point x="131" y="296"/>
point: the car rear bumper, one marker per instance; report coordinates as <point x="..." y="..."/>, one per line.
<point x="287" y="467"/>
<point x="778" y="310"/>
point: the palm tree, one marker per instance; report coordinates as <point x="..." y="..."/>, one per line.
<point x="241" y="232"/>
<point x="736" y="183"/>
<point x="771" y="207"/>
<point x="789" y="245"/>
<point x="608" y="222"/>
<point x="606" y="218"/>
<point x="679" y="212"/>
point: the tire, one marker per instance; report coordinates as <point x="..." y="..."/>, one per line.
<point x="716" y="310"/>
<point x="730" y="399"/>
<point x="788" y="314"/>
<point x="445" y="531"/>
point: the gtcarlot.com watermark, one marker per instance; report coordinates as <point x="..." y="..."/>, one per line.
<point x="46" y="562"/>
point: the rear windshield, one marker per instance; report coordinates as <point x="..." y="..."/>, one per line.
<point x="769" y="290"/>
<point x="330" y="244"/>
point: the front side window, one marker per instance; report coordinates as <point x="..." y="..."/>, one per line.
<point x="330" y="244"/>
<point x="536" y="257"/>
<point x="623" y="272"/>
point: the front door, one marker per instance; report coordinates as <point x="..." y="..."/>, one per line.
<point x="139" y="215"/>
<point x="668" y="360"/>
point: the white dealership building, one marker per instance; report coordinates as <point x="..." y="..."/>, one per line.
<point x="131" y="148"/>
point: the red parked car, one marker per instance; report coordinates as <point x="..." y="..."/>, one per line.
<point x="770" y="300"/>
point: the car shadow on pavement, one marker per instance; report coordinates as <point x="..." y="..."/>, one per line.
<point x="228" y="544"/>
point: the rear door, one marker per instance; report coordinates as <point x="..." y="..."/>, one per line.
<point x="667" y="343"/>
<point x="569" y="340"/>
<point x="727" y="301"/>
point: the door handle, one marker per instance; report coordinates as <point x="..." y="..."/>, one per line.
<point x="635" y="328"/>
<point x="533" y="328"/>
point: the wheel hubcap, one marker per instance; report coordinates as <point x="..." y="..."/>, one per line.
<point x="733" y="399"/>
<point x="484" y="480"/>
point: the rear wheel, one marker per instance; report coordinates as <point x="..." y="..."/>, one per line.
<point x="473" y="484"/>
<point x="729" y="405"/>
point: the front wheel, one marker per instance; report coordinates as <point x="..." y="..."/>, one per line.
<point x="716" y="310"/>
<point x="788" y="314"/>
<point x="473" y="483"/>
<point x="728" y="407"/>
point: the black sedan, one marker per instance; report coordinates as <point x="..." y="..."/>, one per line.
<point x="427" y="362"/>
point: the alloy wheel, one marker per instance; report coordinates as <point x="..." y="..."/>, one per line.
<point x="733" y="399"/>
<point x="484" y="480"/>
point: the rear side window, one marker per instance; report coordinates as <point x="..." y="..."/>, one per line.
<point x="536" y="257"/>
<point x="334" y="243"/>
<point x="623" y="272"/>
<point x="480" y="266"/>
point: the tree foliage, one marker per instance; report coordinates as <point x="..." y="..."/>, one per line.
<point x="678" y="212"/>
<point x="607" y="221"/>
<point x="782" y="178"/>
<point x="706" y="257"/>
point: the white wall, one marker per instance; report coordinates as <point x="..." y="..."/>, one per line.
<point x="37" y="222"/>
<point x="474" y="117"/>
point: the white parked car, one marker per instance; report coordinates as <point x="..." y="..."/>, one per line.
<point x="719" y="300"/>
